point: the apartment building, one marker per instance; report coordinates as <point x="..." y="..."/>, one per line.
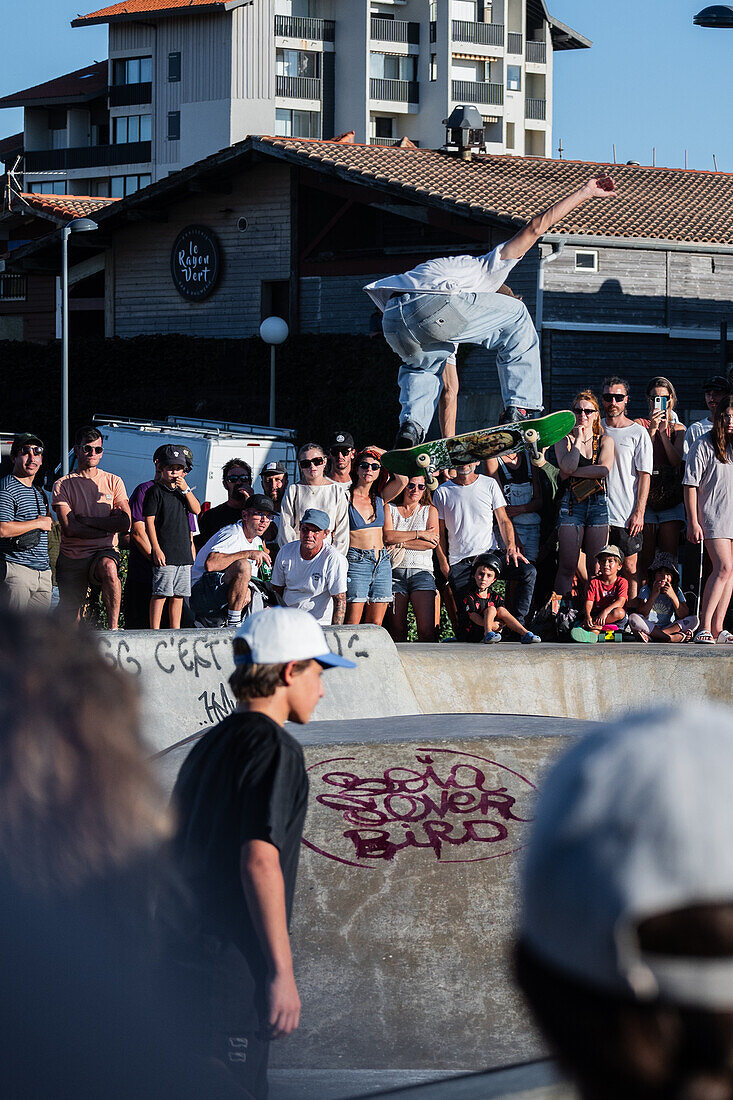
<point x="186" y="78"/>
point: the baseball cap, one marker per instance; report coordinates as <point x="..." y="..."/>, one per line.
<point x="272" y="468"/>
<point x="258" y="503"/>
<point x="610" y="551"/>
<point x="341" y="439"/>
<point x="22" y="440"/>
<point x="174" y="454"/>
<point x="717" y="382"/>
<point x="317" y="518"/>
<point x="281" y="634"/>
<point x="634" y="822"/>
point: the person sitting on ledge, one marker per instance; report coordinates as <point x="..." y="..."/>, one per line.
<point x="484" y="610"/>
<point x="605" y="601"/>
<point x="661" y="613"/>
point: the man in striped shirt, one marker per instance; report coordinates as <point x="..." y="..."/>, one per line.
<point x="25" y="571"/>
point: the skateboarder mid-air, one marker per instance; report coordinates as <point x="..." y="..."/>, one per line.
<point x="453" y="300"/>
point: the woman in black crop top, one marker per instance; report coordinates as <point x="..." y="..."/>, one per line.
<point x="369" y="581"/>
<point x="584" y="457"/>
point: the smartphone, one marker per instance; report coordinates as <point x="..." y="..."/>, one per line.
<point x="661" y="402"/>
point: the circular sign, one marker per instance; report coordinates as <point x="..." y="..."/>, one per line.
<point x="195" y="262"/>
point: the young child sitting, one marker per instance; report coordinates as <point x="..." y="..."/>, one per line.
<point x="660" y="612"/>
<point x="484" y="610"/>
<point x="605" y="600"/>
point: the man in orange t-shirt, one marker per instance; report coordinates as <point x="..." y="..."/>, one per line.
<point x="93" y="510"/>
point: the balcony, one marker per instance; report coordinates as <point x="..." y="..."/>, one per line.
<point x="316" y="30"/>
<point x="537" y="53"/>
<point x="389" y="141"/>
<point x="395" y="30"/>
<point x="13" y="288"/>
<point x="394" y="91"/>
<point x="90" y="156"/>
<point x="479" y="34"/>
<point x="470" y="91"/>
<point x="298" y="87"/>
<point x="514" y="43"/>
<point x="128" y="95"/>
<point x="536" y="109"/>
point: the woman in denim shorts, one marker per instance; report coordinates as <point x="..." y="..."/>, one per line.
<point x="369" y="581"/>
<point x="584" y="457"/>
<point x="415" y="522"/>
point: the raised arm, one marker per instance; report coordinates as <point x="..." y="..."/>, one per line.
<point x="602" y="187"/>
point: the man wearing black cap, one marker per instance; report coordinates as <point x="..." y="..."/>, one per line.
<point x="236" y="475"/>
<point x="225" y="565"/>
<point x="715" y="389"/>
<point x="274" y="478"/>
<point x="342" y="452"/>
<point x="25" y="521"/>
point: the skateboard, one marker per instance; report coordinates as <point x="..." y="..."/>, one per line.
<point x="442" y="454"/>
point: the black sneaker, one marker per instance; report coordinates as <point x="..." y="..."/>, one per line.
<point x="512" y="413"/>
<point x="409" y="435"/>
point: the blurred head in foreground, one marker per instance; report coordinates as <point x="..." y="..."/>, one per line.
<point x="626" y="937"/>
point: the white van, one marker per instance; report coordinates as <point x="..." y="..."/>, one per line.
<point x="129" y="446"/>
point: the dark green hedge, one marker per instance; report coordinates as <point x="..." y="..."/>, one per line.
<point x="323" y="383"/>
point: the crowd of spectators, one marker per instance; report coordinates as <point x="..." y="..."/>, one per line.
<point x="622" y="531"/>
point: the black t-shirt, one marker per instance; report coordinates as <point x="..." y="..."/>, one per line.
<point x="476" y="605"/>
<point x="214" y="519"/>
<point x="244" y="780"/>
<point x="171" y="522"/>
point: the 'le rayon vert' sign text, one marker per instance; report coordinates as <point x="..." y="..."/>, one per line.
<point x="195" y="262"/>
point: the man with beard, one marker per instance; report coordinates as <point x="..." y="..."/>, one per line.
<point x="274" y="478"/>
<point x="237" y="479"/>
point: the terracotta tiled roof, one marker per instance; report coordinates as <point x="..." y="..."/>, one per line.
<point x="664" y="203"/>
<point x="132" y="9"/>
<point x="82" y="84"/>
<point x="66" y="207"/>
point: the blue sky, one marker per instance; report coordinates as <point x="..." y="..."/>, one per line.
<point x="651" y="78"/>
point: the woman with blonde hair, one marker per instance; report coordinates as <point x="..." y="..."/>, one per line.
<point x="584" y="458"/>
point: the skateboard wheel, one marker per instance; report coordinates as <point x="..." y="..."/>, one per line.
<point x="432" y="484"/>
<point x="532" y="435"/>
<point x="423" y="459"/>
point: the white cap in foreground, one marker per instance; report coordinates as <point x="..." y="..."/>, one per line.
<point x="634" y="821"/>
<point x="281" y="634"/>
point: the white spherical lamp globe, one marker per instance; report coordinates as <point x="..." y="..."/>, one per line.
<point x="274" y="330"/>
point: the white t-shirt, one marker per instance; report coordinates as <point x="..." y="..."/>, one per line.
<point x="332" y="498"/>
<point x="446" y="275"/>
<point x="468" y="514"/>
<point x="310" y="585"/>
<point x="229" y="540"/>
<point x="633" y="455"/>
<point x="693" y="433"/>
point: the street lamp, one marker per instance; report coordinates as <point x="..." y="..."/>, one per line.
<point x="273" y="331"/>
<point x="716" y="15"/>
<point x="78" y="225"/>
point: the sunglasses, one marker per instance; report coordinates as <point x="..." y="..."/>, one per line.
<point x="584" y="412"/>
<point x="415" y="488"/>
<point x="370" y="466"/>
<point x="238" y="477"/>
<point x="340" y="450"/>
<point x="614" y="398"/>
<point x="31" y="451"/>
<point x="88" y="449"/>
<point x="306" y="462"/>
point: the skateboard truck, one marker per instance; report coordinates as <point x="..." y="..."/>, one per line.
<point x="423" y="460"/>
<point x="531" y="438"/>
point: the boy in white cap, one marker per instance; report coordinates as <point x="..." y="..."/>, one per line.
<point x="626" y="935"/>
<point x="241" y="800"/>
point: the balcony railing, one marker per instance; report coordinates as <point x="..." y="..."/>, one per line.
<point x="480" y="34"/>
<point x="395" y="30"/>
<point x="13" y="288"/>
<point x="92" y="156"/>
<point x="514" y="43"/>
<point x="126" y="95"/>
<point x="298" y="87"/>
<point x="470" y="91"/>
<point x="389" y="141"/>
<point x="293" y="26"/>
<point x="394" y="91"/>
<point x="537" y="52"/>
<point x="536" y="108"/>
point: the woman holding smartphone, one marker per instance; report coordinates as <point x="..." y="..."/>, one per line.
<point x="665" y="511"/>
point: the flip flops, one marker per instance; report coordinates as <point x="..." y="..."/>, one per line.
<point x="724" y="638"/>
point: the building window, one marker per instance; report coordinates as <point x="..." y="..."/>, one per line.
<point x="383" y="127"/>
<point x="174" y="125"/>
<point x="128" y="128"/>
<point x="586" y="259"/>
<point x="174" y="68"/>
<point x="119" y="186"/>
<point x="514" y="78"/>
<point x="275" y="298"/>
<point x="510" y="139"/>
<point x="433" y="66"/>
<point x="297" y="63"/>
<point x="385" y="66"/>
<point x="132" y="70"/>
<point x="305" y="124"/>
<point x="50" y="187"/>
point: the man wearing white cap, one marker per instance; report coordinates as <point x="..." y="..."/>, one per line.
<point x="311" y="573"/>
<point x="241" y="800"/>
<point x="626" y="937"/>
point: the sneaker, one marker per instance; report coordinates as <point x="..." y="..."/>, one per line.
<point x="530" y="639"/>
<point x="513" y="413"/>
<point x="409" y="435"/>
<point x="580" y="634"/>
<point x="491" y="636"/>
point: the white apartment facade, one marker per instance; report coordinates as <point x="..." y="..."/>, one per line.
<point x="184" y="81"/>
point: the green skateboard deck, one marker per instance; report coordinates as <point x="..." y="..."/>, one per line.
<point x="456" y="450"/>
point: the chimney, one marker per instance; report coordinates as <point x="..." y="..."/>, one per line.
<point x="464" y="132"/>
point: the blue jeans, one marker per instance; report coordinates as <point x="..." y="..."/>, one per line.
<point x="369" y="578"/>
<point x="424" y="329"/>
